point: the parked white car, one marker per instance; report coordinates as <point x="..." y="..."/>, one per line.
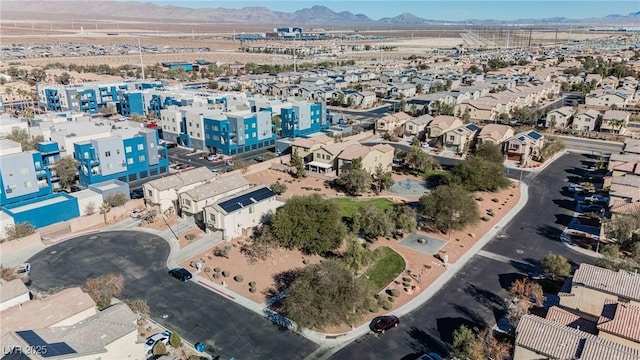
<point x="597" y="198"/>
<point x="152" y="340"/>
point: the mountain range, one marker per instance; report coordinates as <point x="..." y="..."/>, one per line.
<point x="315" y="15"/>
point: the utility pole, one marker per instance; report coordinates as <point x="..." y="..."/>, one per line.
<point x="295" y="60"/>
<point x="530" y="35"/>
<point x="141" y="63"/>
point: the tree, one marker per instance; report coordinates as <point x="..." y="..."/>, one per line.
<point x="22" y="136"/>
<point x="419" y="160"/>
<point x="175" y="340"/>
<point x="159" y="349"/>
<point x="90" y="208"/>
<point x="527" y="291"/>
<point x="327" y="294"/>
<point x="463" y="338"/>
<point x="557" y="265"/>
<point x="486" y="346"/>
<point x="372" y="222"/>
<point x="278" y="188"/>
<point x="67" y="169"/>
<point x="448" y="207"/>
<point x="356" y="256"/>
<point x="298" y="163"/>
<point x="477" y="174"/>
<point x="104" y="210"/>
<point x="18" y="231"/>
<point x="103" y="288"/>
<point x="404" y="216"/>
<point x="116" y="199"/>
<point x="64" y="78"/>
<point x="625" y="229"/>
<point x="354" y="179"/>
<point x="489" y="152"/>
<point x="309" y="223"/>
<point x="419" y="88"/>
<point x="441" y="108"/>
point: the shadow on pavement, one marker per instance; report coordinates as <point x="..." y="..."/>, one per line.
<point x="423" y="342"/>
<point x="552" y="232"/>
<point x="484" y="297"/>
<point x="507" y="279"/>
<point x="565" y="204"/>
<point x="474" y="317"/>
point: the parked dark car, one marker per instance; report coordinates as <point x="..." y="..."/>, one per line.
<point x="384" y="323"/>
<point x="592" y="209"/>
<point x="181" y="274"/>
<point x="137" y="194"/>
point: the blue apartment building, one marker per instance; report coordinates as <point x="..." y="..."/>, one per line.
<point x="27" y="195"/>
<point x="303" y="119"/>
<point x="235" y="133"/>
<point x="125" y="159"/>
<point x="86" y="97"/>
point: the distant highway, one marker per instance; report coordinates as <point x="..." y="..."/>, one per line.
<point x="591" y="145"/>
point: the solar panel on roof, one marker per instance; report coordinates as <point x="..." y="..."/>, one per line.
<point x="247" y="199"/>
<point x="534" y="135"/>
<point x="521" y="138"/>
<point x="473" y="127"/>
<point x="42" y="347"/>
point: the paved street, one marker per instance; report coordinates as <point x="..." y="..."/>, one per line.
<point x="476" y="294"/>
<point x="195" y="312"/>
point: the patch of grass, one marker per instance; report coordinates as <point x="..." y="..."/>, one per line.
<point x="348" y="207"/>
<point x="388" y="265"/>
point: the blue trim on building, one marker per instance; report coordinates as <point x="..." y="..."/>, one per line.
<point x="55" y="208"/>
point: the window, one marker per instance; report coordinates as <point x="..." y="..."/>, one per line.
<point x="129" y="161"/>
<point x="107" y="153"/>
<point x="198" y="125"/>
<point x="109" y="166"/>
<point x="118" y="151"/>
<point x="253" y="125"/>
<point x="451" y="137"/>
<point x="253" y="134"/>
<point x="140" y="147"/>
<point x="38" y="164"/>
<point x="212" y="217"/>
<point x="27" y="184"/>
<point x="24" y="171"/>
<point x="251" y="209"/>
<point x="127" y="149"/>
<point x="141" y="158"/>
<point x="246" y="136"/>
<point x="198" y="134"/>
<point x="187" y="202"/>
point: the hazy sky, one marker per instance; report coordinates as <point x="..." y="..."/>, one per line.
<point x="440" y="9"/>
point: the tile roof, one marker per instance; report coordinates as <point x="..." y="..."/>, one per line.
<point x="568" y="318"/>
<point x="620" y="319"/>
<point x="37" y="314"/>
<point x="621" y="207"/>
<point x="421" y="120"/>
<point x="337" y="148"/>
<point x="494" y="131"/>
<point x="444" y="121"/>
<point x="620" y="283"/>
<point x="12" y="289"/>
<point x="182" y="179"/>
<point x="354" y="151"/>
<point x="553" y="339"/>
<point x="565" y="111"/>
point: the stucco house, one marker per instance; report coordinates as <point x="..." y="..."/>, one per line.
<point x="601" y="97"/>
<point x="524" y="146"/>
<point x="559" y="118"/>
<point x="305" y="147"/>
<point x="12" y="293"/>
<point x="495" y="134"/>
<point x="460" y="138"/>
<point x="193" y="201"/>
<point x="441" y="124"/>
<point x="615" y="121"/>
<point x="235" y="214"/>
<point x="334" y="158"/>
<point x="585" y="120"/>
<point x="163" y="193"/>
<point x="392" y="123"/>
<point x="417" y="126"/>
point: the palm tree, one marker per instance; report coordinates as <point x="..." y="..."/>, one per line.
<point x="616" y="123"/>
<point x="9" y="92"/>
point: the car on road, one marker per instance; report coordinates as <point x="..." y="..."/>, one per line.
<point x="575" y="188"/>
<point x="23" y="269"/>
<point x="152" y="340"/>
<point x="384" y="323"/>
<point x="181" y="274"/>
<point x="171" y="145"/>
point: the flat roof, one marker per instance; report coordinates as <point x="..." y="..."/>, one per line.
<point x="35" y="205"/>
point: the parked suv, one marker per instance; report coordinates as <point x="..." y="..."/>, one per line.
<point x="181" y="274"/>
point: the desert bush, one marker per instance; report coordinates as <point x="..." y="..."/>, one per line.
<point x="391" y="299"/>
<point x="216" y="275"/>
<point x="190" y="237"/>
<point x="387" y="305"/>
<point x="17" y="231"/>
<point x="374" y="307"/>
<point x="252" y="284"/>
<point x="479" y="198"/>
<point x="252" y="290"/>
<point x="225" y="273"/>
<point x="224" y="252"/>
<point x="278" y="188"/>
<point x="216" y="269"/>
<point x="175" y="340"/>
<point x="485" y="218"/>
<point x="116" y="199"/>
<point x="393" y="292"/>
<point x="238" y="278"/>
<point x="159" y="349"/>
<point x="406" y="279"/>
<point x="138" y="306"/>
<point x="495" y="200"/>
<point x="103" y="288"/>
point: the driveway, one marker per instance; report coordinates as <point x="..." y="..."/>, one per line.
<point x="475" y="295"/>
<point x="195" y="312"/>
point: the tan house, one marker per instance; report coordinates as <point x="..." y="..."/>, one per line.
<point x="538" y="338"/>
<point x="460" y="138"/>
<point x="163" y="193"/>
<point x="305" y="147"/>
<point x="559" y="118"/>
<point x="495" y="134"/>
<point x="392" y="123"/>
<point x="442" y="124"/>
<point x="234" y="215"/>
<point x="606" y="98"/>
<point x="620" y="322"/>
<point x="12" y="293"/>
<point x="615" y="121"/>
<point x="524" y="146"/>
<point x="72" y="305"/>
<point x="193" y="201"/>
<point x="483" y="109"/>
<point x="585" y="120"/>
<point x="417" y="126"/>
<point x="591" y="286"/>
<point x="380" y="155"/>
<point x="631" y="146"/>
<point x="111" y="334"/>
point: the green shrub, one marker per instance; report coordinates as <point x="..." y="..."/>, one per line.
<point x="238" y="278"/>
<point x="387" y="305"/>
<point x="190" y="237"/>
<point x="485" y="218"/>
<point x="374" y="307"/>
<point x="406" y="284"/>
<point x="252" y="284"/>
<point x="278" y="187"/>
<point x="406" y="279"/>
<point x="317" y="189"/>
<point x="479" y="198"/>
<point x="225" y="273"/>
<point x="495" y="200"/>
<point x="175" y="340"/>
<point x="207" y="270"/>
<point x="393" y="292"/>
<point x="378" y="296"/>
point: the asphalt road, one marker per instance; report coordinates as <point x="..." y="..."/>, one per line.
<point x="590" y="145"/>
<point x="474" y="297"/>
<point x="185" y="156"/>
<point x="195" y="312"/>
